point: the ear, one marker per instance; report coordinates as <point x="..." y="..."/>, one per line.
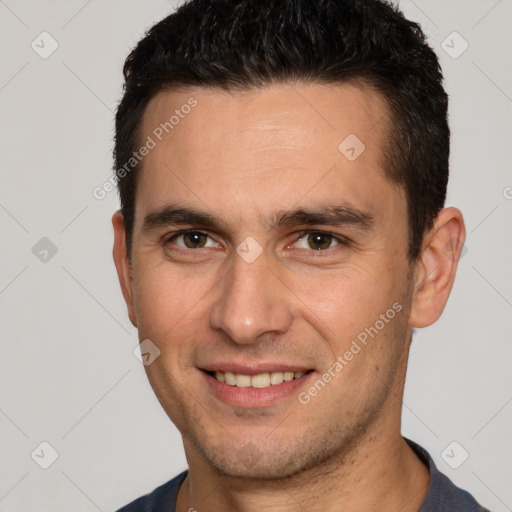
<point x="436" y="266"/>
<point x="123" y="264"/>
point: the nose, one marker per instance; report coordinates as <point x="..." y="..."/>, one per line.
<point x="251" y="301"/>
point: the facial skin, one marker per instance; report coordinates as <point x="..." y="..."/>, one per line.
<point x="244" y="158"/>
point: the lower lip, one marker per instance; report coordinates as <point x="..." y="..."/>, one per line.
<point x="255" y="397"/>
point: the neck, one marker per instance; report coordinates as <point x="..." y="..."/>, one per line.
<point x="380" y="472"/>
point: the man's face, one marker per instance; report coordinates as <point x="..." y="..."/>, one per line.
<point x="263" y="291"/>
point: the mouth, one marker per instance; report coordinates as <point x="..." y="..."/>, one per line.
<point x="256" y="390"/>
<point x="258" y="381"/>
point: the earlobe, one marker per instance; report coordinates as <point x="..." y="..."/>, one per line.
<point x="123" y="264"/>
<point x="436" y="267"/>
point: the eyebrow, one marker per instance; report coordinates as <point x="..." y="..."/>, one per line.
<point x="330" y="215"/>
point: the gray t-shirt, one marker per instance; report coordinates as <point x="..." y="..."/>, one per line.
<point x="442" y="495"/>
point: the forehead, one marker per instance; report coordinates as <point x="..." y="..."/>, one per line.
<point x="268" y="146"/>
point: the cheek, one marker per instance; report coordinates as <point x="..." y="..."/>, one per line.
<point x="170" y="311"/>
<point x="166" y="299"/>
<point x="365" y="318"/>
<point x="346" y="302"/>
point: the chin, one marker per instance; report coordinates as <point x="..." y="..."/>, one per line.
<point x="262" y="470"/>
<point x="265" y="462"/>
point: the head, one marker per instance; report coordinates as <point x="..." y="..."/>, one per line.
<point x="304" y="145"/>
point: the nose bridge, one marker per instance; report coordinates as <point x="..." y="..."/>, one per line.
<point x="251" y="301"/>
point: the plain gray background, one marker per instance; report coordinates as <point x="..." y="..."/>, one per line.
<point x="68" y="373"/>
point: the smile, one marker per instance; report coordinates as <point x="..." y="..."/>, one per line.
<point x="260" y="380"/>
<point x="259" y="385"/>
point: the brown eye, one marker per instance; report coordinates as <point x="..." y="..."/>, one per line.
<point x="317" y="241"/>
<point x="191" y="240"/>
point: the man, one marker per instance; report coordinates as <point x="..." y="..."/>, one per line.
<point x="282" y="168"/>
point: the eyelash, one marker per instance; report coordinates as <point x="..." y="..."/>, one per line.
<point x="342" y="241"/>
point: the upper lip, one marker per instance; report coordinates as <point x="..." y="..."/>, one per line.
<point x="253" y="368"/>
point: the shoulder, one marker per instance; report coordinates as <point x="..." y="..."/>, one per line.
<point x="443" y="495"/>
<point x="162" y="499"/>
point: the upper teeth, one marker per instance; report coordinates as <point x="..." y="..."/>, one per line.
<point x="262" y="380"/>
